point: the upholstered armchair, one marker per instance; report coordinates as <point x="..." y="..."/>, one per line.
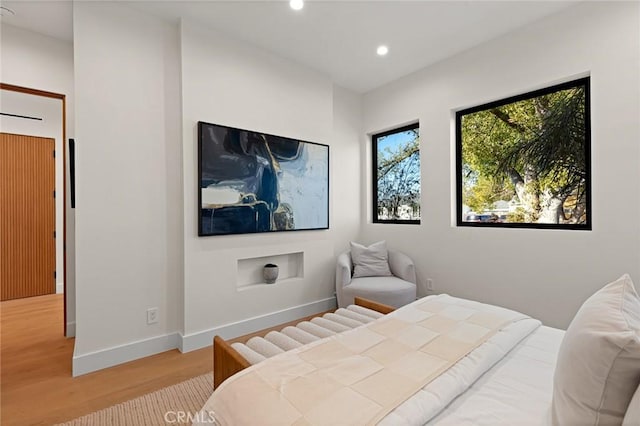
<point x="395" y="290"/>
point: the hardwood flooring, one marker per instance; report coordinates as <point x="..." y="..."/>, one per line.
<point x="36" y="387"/>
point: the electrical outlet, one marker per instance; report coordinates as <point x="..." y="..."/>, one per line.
<point x="430" y="284"/>
<point x="152" y="315"/>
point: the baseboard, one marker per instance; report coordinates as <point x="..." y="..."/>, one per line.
<point x="94" y="361"/>
<point x="87" y="363"/>
<point x="202" y="339"/>
<point x="71" y="329"/>
<point x="59" y="288"/>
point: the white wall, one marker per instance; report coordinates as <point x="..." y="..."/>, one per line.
<point x="231" y="83"/>
<point x="39" y="62"/>
<point x="36" y="61"/>
<point x="128" y="211"/>
<point x="546" y="273"/>
<point x="137" y="184"/>
<point x="346" y="213"/>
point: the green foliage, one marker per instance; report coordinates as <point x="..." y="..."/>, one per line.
<point x="484" y="193"/>
<point x="518" y="216"/>
<point x="556" y="148"/>
<point x="526" y="151"/>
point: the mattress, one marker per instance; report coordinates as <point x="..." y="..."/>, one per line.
<point x="516" y="391"/>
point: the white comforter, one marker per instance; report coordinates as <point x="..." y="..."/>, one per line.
<point x="427" y="403"/>
<point x="516" y="391"/>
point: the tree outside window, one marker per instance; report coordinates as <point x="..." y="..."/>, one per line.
<point x="396" y="176"/>
<point x="525" y="161"/>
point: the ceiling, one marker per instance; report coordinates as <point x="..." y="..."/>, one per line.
<point x="337" y="38"/>
<point x="51" y="18"/>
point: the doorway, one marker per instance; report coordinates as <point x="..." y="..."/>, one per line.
<point x="27" y="207"/>
<point x="33" y="113"/>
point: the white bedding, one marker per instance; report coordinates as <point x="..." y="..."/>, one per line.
<point x="516" y="391"/>
<point x="505" y="381"/>
<point x="432" y="403"/>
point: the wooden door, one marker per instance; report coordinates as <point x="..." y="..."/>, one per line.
<point x="27" y="216"/>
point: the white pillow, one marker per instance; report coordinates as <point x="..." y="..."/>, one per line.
<point x="372" y="261"/>
<point x="598" y="368"/>
<point x="632" y="416"/>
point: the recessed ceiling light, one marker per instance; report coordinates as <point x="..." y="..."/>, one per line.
<point x="296" y="4"/>
<point x="382" y="50"/>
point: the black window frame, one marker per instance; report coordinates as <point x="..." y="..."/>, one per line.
<point x="588" y="226"/>
<point x="374" y="175"/>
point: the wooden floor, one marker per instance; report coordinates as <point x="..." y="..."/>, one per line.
<point x="35" y="376"/>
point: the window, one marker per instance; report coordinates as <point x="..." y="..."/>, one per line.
<point x="524" y="162"/>
<point x="396" y="176"/>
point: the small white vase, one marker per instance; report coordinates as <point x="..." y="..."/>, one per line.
<point x="270" y="273"/>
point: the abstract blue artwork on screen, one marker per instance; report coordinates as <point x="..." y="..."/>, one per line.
<point x="254" y="182"/>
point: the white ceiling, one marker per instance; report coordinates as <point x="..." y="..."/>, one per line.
<point x="51" y="18"/>
<point x="337" y="38"/>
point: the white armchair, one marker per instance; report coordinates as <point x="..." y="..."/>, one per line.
<point x="396" y="290"/>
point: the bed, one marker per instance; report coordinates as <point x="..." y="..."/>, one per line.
<point x="502" y="375"/>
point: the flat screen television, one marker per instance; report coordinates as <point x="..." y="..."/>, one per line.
<point x="251" y="182"/>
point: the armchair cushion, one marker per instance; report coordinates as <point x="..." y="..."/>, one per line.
<point x="372" y="261"/>
<point x="391" y="290"/>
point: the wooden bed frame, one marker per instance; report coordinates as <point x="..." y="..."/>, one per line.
<point x="227" y="361"/>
